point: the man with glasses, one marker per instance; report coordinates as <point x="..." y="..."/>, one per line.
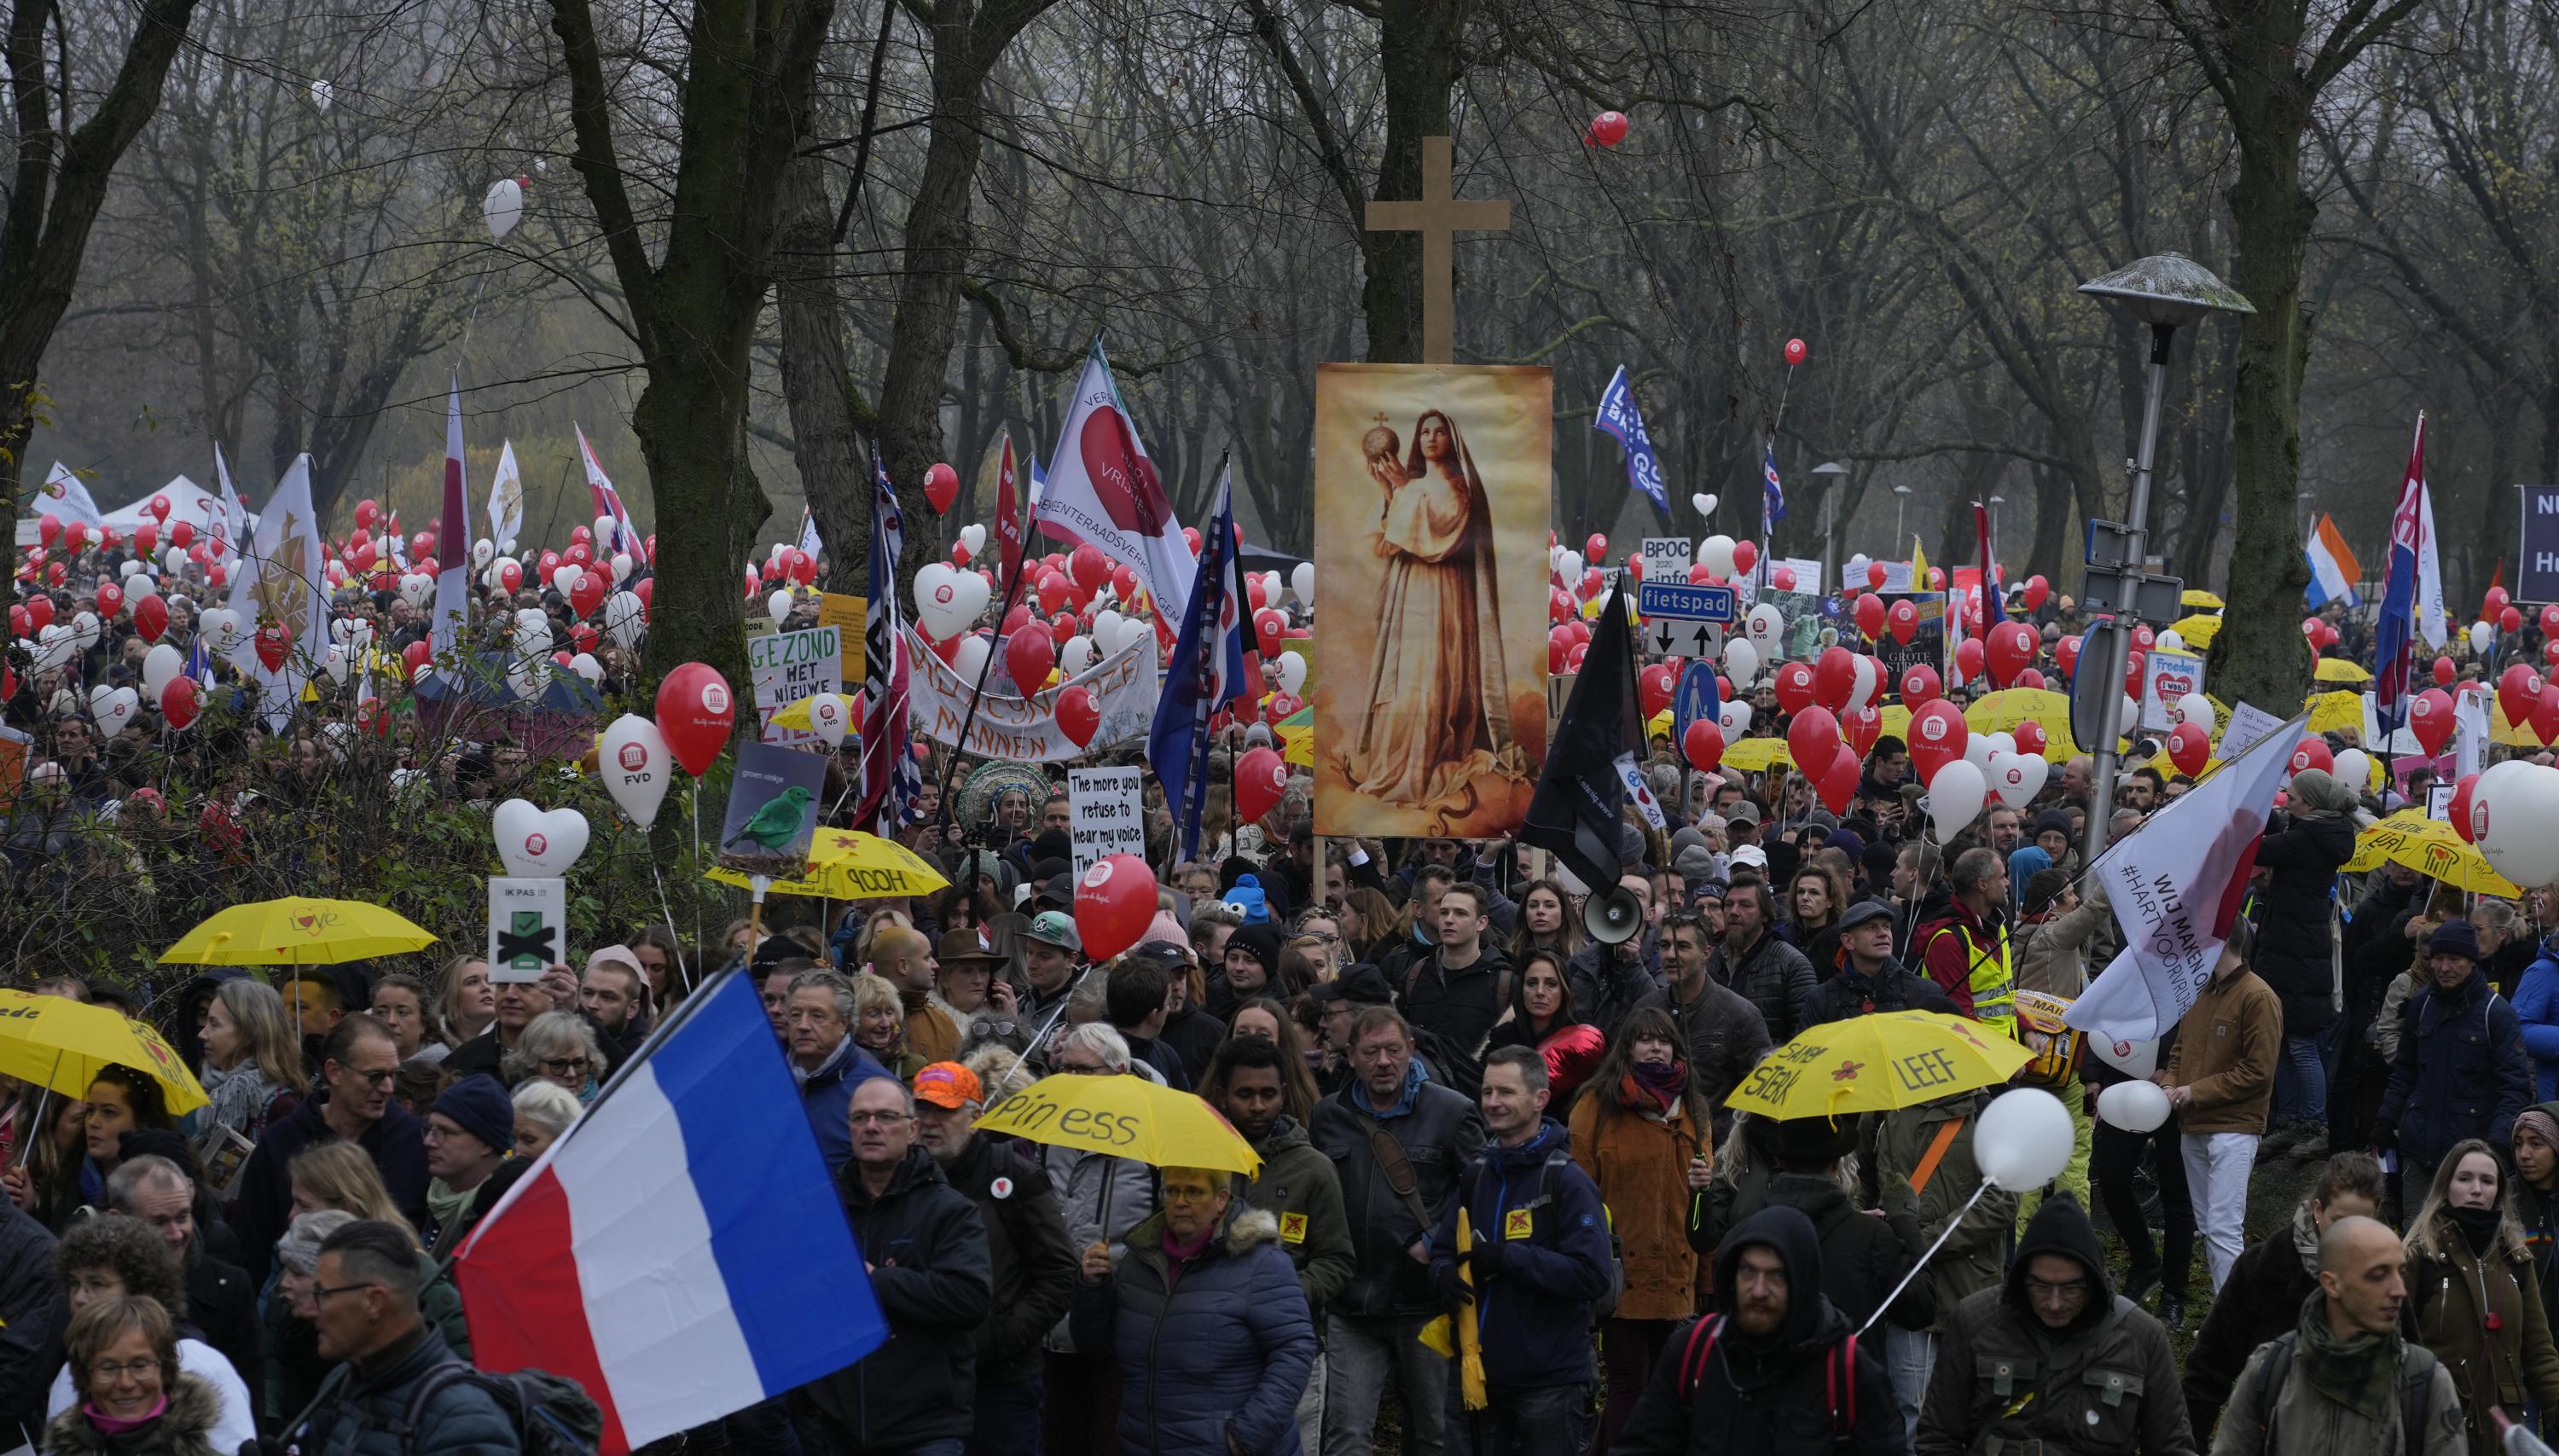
<point x="358" y="1062"/>
<point x="2054" y="1359"/>
<point x="924" y="1247"/>
<point x="366" y="1289"/>
<point x="469" y="1132"/>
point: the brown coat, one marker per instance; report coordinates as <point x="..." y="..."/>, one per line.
<point x="1641" y="1166"/>
<point x="2503" y="1367"/>
<point x="2226" y="1055"/>
<point x="930" y="1031"/>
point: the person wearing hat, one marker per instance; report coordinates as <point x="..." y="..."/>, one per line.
<point x="970" y="981"/>
<point x="2460" y="1071"/>
<point x="1052" y="953"/>
<point x="1032" y="1266"/>
<point x="1870" y="980"/>
<point x="613" y="995"/>
<point x="1794" y="1162"/>
<point x="1250" y="968"/>
<point x="469" y="1131"/>
<point x="1338" y="1004"/>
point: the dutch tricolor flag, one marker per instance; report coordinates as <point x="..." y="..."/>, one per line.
<point x="2333" y="569"/>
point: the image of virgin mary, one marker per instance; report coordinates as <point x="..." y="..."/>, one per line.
<point x="1435" y="712"/>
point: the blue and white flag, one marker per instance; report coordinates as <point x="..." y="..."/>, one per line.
<point x="1205" y="673"/>
<point x="1619" y="417"/>
<point x="2412" y="592"/>
<point x="1772" y="506"/>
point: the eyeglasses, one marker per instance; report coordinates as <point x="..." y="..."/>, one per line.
<point x="116" y="1371"/>
<point x="371" y="1078"/>
<point x="865" y="1120"/>
<point x="1176" y="1194"/>
<point x="564" y="1065"/>
<point x="323" y="1292"/>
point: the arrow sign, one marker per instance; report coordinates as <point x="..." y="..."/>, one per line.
<point x="1681" y="636"/>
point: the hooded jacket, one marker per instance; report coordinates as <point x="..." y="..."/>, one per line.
<point x="2536" y="1006"/>
<point x="1639" y="1160"/>
<point x="1298" y="1188"/>
<point x="2105" y="1384"/>
<point x="2308" y="1423"/>
<point x="1030" y="1268"/>
<point x="1766" y="1394"/>
<point x="1542" y="1259"/>
<point x="2296" y="931"/>
<point x="1213" y="1353"/>
<point x="927" y="1249"/>
<point x="1862" y="1256"/>
<point x="1438" y="1133"/>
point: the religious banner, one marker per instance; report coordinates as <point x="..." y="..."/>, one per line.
<point x="1433" y="485"/>
<point x="1025" y="730"/>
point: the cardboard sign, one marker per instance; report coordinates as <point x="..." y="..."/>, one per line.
<point x="790" y="665"/>
<point x="773" y="809"/>
<point x="1808" y="574"/>
<point x="1668" y="558"/>
<point x="527" y="926"/>
<point x="1108" y="809"/>
<point x="847" y="615"/>
<point x="2247" y="724"/>
<point x="2166" y="677"/>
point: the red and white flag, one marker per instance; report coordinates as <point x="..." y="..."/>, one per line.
<point x="452" y="540"/>
<point x="1008" y="519"/>
<point x="2177" y="883"/>
<point x="1102" y="492"/>
<point x="608" y="502"/>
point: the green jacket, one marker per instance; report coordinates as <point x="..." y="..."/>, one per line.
<point x="1298" y="1187"/>
<point x="1976" y="1258"/>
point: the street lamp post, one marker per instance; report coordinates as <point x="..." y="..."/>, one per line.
<point x="1833" y="475"/>
<point x="2166" y="291"/>
<point x="1900" y="513"/>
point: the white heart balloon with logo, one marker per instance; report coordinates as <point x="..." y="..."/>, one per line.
<point x="114" y="707"/>
<point x="222" y="628"/>
<point x="537" y="844"/>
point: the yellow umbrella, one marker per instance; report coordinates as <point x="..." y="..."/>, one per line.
<point x="1752" y="755"/>
<point x="1297" y="737"/>
<point x="1875" y="1063"/>
<point x="848" y="864"/>
<point x="2197" y="597"/>
<point x="2338" y="670"/>
<point x="2330" y="711"/>
<point x="62" y="1044"/>
<point x="1468" y="1351"/>
<point x="794" y="713"/>
<point x="2198" y="630"/>
<point x="2431" y="848"/>
<point x="1126" y="1116"/>
<point x="298" y="930"/>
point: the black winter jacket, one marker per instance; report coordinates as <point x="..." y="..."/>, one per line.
<point x="1456" y="1010"/>
<point x="1031" y="1266"/>
<point x="33" y="1317"/>
<point x="1774" y="976"/>
<point x="927" y="1249"/>
<point x="264" y="1206"/>
<point x="2460" y="1071"/>
<point x="2295" y="917"/>
<point x="1862" y="1256"/>
<point x="1440" y="1134"/>
<point x="1890" y="988"/>
<point x="2261" y="1300"/>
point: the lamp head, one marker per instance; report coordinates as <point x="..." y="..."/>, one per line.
<point x="2168" y="289"/>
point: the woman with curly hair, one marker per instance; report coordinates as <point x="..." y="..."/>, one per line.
<point x="111" y="1258"/>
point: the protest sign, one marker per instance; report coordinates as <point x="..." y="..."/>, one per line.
<point x="772" y="811"/>
<point x="527" y="926"/>
<point x="1668" y="558"/>
<point x="790" y="665"/>
<point x="1107" y="814"/>
<point x="1808" y="574"/>
<point x="2166" y="677"/>
<point x="1025" y="730"/>
<point x="847" y="615"/>
<point x="2537" y="565"/>
<point x="2249" y="723"/>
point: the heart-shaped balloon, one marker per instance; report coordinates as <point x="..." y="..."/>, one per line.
<point x="535" y="844"/>
<point x="1704" y="502"/>
<point x="222" y="628"/>
<point x="973" y="538"/>
<point x="114" y="707"/>
<point x="624" y="618"/>
<point x="2016" y="777"/>
<point x="160" y="665"/>
<point x="55" y="645"/>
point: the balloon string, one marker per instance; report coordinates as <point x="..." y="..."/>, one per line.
<point x="1952" y="1225"/>
<point x="683" y="973"/>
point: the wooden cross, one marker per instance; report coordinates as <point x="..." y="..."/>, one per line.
<point x="1439" y="217"/>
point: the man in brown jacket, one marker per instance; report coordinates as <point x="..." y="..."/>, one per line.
<point x="2220" y="1079"/>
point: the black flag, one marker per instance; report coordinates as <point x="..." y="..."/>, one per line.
<point x="1582" y="792"/>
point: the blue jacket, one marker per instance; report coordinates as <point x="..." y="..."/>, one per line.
<point x="1536" y="1207"/>
<point x="2536" y="1005"/>
<point x="2460" y="1070"/>
<point x="828" y="1095"/>
<point x="1216" y="1352"/>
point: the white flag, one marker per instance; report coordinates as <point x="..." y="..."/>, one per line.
<point x="2177" y="883"/>
<point x="809" y="539"/>
<point x="1102" y="491"/>
<point x="68" y="498"/>
<point x="506" y="502"/>
<point x="279" y="584"/>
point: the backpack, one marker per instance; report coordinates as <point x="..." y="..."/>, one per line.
<point x="1839" y="1371"/>
<point x="1606" y="1304"/>
<point x="552" y="1416"/>
<point x="2416" y="1391"/>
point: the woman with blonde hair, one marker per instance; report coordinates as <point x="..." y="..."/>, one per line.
<point x="469" y="999"/>
<point x="252" y="1065"/>
<point x="544" y="1111"/>
<point x="134" y="1399"/>
<point x="2472" y="1294"/>
<point x="342" y="1176"/>
<point x="879" y="1026"/>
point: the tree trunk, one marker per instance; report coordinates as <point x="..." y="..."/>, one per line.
<point x="814" y="386"/>
<point x="1419" y="62"/>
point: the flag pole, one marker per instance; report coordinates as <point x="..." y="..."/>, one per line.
<point x="951" y="766"/>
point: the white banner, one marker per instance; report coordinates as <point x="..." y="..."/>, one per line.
<point x="1025" y="730"/>
<point x="1107" y="808"/>
<point x="2175" y="883"/>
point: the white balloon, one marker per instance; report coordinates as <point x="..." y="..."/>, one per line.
<point x="1765" y="625"/>
<point x="2135" y="1106"/>
<point x="948" y="598"/>
<point x="1866" y="684"/>
<point x="2017" y="777"/>
<point x="482" y="553"/>
<point x="1571" y="570"/>
<point x="564" y="577"/>
<point x="2022" y="1139"/>
<point x="2136" y="1060"/>
<point x="322" y="94"/>
<point x="2354" y="768"/>
<point x="778" y="606"/>
<point x="1301" y="580"/>
<point x="1955" y="798"/>
<point x="1132" y="629"/>
<point x="173" y="561"/>
<point x="1716" y="552"/>
<point x="1704" y="502"/>
<point x="2194" y="707"/>
<point x="621" y="564"/>
<point x="1978" y="751"/>
<point x="114" y="707"/>
<point x="2515" y="819"/>
<point x="336" y="736"/>
<point x="221" y="629"/>
<point x="334" y="663"/>
<point x="624" y="614"/>
<point x="1740" y="661"/>
<point x="1293" y="673"/>
<point x="2001" y="742"/>
<point x="502" y="207"/>
<point x="1105" y="630"/>
<point x="538" y="845"/>
<point x="85" y="626"/>
<point x="605" y="525"/>
<point x="973" y="536"/>
<point x="829" y="717"/>
<point x="131" y="568"/>
<point x="160" y="665"/>
<point x="971" y="659"/>
<point x="1734" y="716"/>
<point x="585" y="665"/>
<point x="633" y="762"/>
<point x="1080" y="653"/>
<point x="2167" y="642"/>
<point x="2483" y="638"/>
<point x="417" y="589"/>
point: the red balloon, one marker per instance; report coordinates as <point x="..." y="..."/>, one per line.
<point x="2444" y="670"/>
<point x="2190" y="747"/>
<point x="2519" y="689"/>
<point x="2037" y="589"/>
<point x="1812" y="738"/>
<point x="580" y="535"/>
<point x="2545" y="712"/>
<point x="111" y="599"/>
<point x="940" y="486"/>
<point x="216" y="576"/>
<point x="181" y="698"/>
<point x="1794" y="351"/>
<point x="160" y="509"/>
<point x="2430" y="717"/>
<point x="273" y="644"/>
<point x="511" y="575"/>
<point x="146" y="538"/>
<point x="695" y="711"/>
<point x="1595" y="548"/>
<point x="1938" y="734"/>
<point x="1260" y="777"/>
<point x="644" y="591"/>
<point x="2134" y="663"/>
<point x="2312" y="753"/>
<point x="2030" y="737"/>
<point x="1114" y="902"/>
<point x="1968" y="658"/>
<point x="1863" y="728"/>
<point x="1905" y="617"/>
<point x="583" y="635"/>
<point x="1782" y="578"/>
<point x="1269" y="627"/>
<point x="1029" y="657"/>
<point x="1874" y="574"/>
<point x="1837" y="783"/>
<point x="1920" y="685"/>
<point x="151" y="617"/>
<point x="2459" y="812"/>
<point x="362" y="555"/>
<point x="1794" y="684"/>
<point x="1088" y="567"/>
<point x="1655" y="686"/>
<point x="2030" y="677"/>
<point x="1559" y="647"/>
<point x="2494" y="603"/>
<point x="2509" y="620"/>
<point x="1078" y="716"/>
<point x="2066" y="656"/>
<point x="1607" y="128"/>
<point x="50" y="527"/>
<point x="2012" y="647"/>
<point x="577" y="555"/>
<point x="588" y="594"/>
<point x="1703" y="745"/>
<point x="1936" y="578"/>
<point x="1745" y="556"/>
<point x="1871" y="614"/>
<point x="366" y="513"/>
<point x="1834" y="679"/>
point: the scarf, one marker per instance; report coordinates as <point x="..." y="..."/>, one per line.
<point x="445" y="1204"/>
<point x="1653" y="1086"/>
<point x="2479" y="1227"/>
<point x="1178" y="1254"/>
<point x="2359" y="1371"/>
<point x="2306" y="1238"/>
<point x="1411" y="1092"/>
<point x="117" y="1426"/>
<point x="239" y="1096"/>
